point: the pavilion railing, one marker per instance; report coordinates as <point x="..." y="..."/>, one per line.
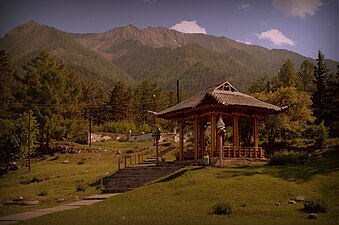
<point x="243" y="152"/>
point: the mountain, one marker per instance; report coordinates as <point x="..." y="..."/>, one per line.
<point x="131" y="54"/>
<point x="23" y="42"/>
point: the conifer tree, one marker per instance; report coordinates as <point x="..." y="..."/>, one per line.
<point x="319" y="97"/>
<point x="306" y="76"/>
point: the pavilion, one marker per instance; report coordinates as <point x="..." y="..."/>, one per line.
<point x="224" y="103"/>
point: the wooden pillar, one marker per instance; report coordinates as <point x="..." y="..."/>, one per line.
<point x="196" y="138"/>
<point x="181" y="140"/>
<point x="213" y="134"/>
<point x="255" y="135"/>
<point x="202" y="140"/>
<point x="236" y="139"/>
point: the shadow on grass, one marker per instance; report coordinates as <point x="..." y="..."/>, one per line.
<point x="322" y="164"/>
<point x="178" y="174"/>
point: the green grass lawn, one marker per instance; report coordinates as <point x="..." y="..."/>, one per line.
<point x="62" y="180"/>
<point x="188" y="196"/>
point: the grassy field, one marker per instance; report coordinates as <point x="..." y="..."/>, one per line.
<point x="62" y="176"/>
<point x="188" y="196"/>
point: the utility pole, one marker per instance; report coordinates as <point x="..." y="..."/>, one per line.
<point x="90" y="129"/>
<point x="178" y="92"/>
<point x="29" y="140"/>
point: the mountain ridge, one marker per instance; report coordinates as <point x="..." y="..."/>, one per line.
<point x="131" y="54"/>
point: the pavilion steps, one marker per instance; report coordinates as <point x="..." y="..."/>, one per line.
<point x="127" y="179"/>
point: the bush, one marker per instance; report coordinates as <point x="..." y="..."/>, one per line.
<point x="223" y="208"/>
<point x="286" y="157"/>
<point x="81" y="162"/>
<point x="316" y="205"/>
<point x="81" y="187"/>
<point x="43" y="193"/>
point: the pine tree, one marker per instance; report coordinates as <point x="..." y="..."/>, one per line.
<point x="7" y="84"/>
<point x="286" y="77"/>
<point x="332" y="108"/>
<point x="319" y="97"/>
<point x="120" y="99"/>
<point x="53" y="94"/>
<point x="306" y="75"/>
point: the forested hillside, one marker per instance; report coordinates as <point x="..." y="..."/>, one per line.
<point x="131" y="55"/>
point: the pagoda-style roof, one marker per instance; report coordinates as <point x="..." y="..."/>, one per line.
<point x="223" y="98"/>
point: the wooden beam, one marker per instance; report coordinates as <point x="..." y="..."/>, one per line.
<point x="196" y="138"/>
<point x="213" y="134"/>
<point x="181" y="140"/>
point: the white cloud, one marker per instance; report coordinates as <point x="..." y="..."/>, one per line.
<point x="300" y="8"/>
<point x="244" y="6"/>
<point x="189" y="27"/>
<point x="276" y="37"/>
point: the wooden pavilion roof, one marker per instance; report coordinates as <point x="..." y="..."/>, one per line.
<point x="222" y="97"/>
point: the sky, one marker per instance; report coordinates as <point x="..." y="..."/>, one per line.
<point x="302" y="26"/>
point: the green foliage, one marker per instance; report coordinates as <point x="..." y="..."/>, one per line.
<point x="81" y="162"/>
<point x="289" y="157"/>
<point x="81" y="187"/>
<point x="286" y="77"/>
<point x="120" y="102"/>
<point x="259" y="85"/>
<point x="120" y="127"/>
<point x="13" y="139"/>
<point x="53" y="94"/>
<point x="316" y="205"/>
<point x="291" y="123"/>
<point x="145" y="128"/>
<point x="306" y="76"/>
<point x="7" y="84"/>
<point x="332" y="104"/>
<point x="319" y="132"/>
<point x="319" y="97"/>
<point x="43" y="193"/>
<point x="223" y="208"/>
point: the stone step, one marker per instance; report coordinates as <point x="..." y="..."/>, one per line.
<point x="116" y="190"/>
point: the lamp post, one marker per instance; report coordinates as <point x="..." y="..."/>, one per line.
<point x="220" y="127"/>
<point x="156" y="137"/>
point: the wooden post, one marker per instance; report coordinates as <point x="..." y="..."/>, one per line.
<point x="125" y="161"/>
<point x="202" y="140"/>
<point x="255" y="135"/>
<point x="181" y="140"/>
<point x="118" y="162"/>
<point x="196" y="138"/>
<point x="236" y="134"/>
<point x="213" y="134"/>
<point x="130" y="159"/>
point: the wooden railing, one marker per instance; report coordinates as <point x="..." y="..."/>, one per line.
<point x="243" y="152"/>
<point x="133" y="158"/>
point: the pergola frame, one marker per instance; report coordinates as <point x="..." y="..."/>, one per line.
<point x="223" y="101"/>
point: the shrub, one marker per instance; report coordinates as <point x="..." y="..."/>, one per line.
<point x="315" y="205"/>
<point x="43" y="193"/>
<point x="81" y="187"/>
<point x="119" y="127"/>
<point x="81" y="162"/>
<point x="286" y="157"/>
<point x="223" y="208"/>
